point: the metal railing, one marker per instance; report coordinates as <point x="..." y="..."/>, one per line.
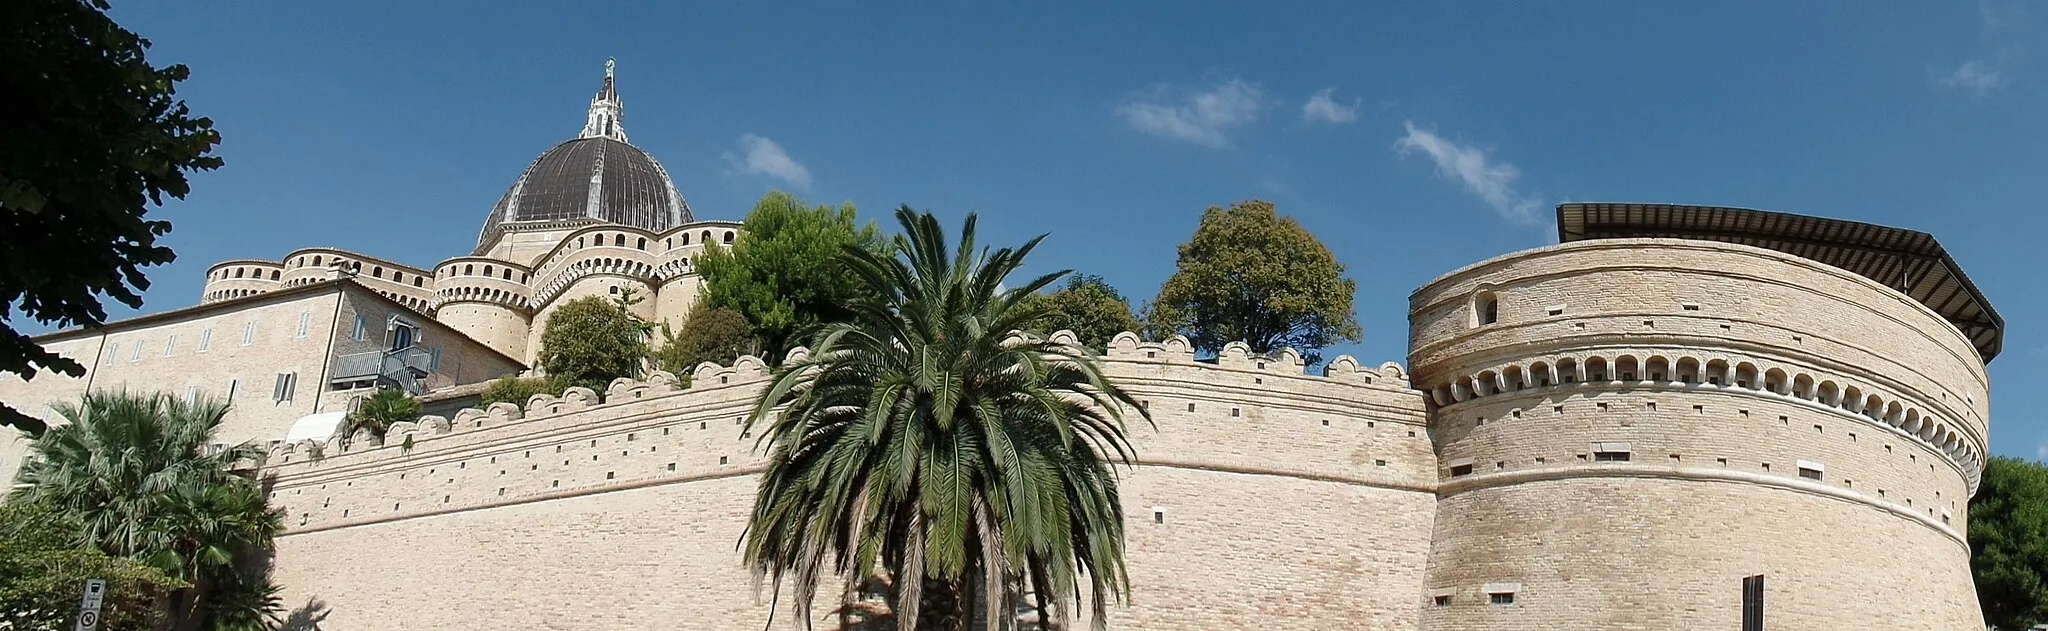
<point x="402" y="366"/>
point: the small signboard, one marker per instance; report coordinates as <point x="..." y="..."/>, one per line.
<point x="89" y="606"/>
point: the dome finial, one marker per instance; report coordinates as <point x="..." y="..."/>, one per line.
<point x="607" y="114"/>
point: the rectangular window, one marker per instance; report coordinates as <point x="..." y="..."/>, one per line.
<point x="1502" y="599"/>
<point x="362" y="330"/>
<point x="205" y="339"/>
<point x="248" y="334"/>
<point x="1461" y="470"/>
<point x="434" y="359"/>
<point x="170" y="345"/>
<point x="1443" y="600"/>
<point x="191" y="395"/>
<point x="1610" y="456"/>
<point x="1812" y="470"/>
<point x="113" y="352"/>
<point x="233" y="384"/>
<point x="136" y="356"/>
<point x="286" y="383"/>
<point x="305" y="322"/>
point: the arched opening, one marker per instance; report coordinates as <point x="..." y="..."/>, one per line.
<point x="641" y="243"/>
<point x="1540" y="373"/>
<point x="468" y="270"/>
<point x="1596" y="369"/>
<point x="316" y="261"/>
<point x="686" y="238"/>
<point x="1485" y="308"/>
<point x="1828" y="393"/>
<point x="1774" y="381"/>
<point x="489" y="270"/>
<point x="1567" y="370"/>
<point x="619" y="240"/>
<point x="1718" y="372"/>
<point x="1802" y="386"/>
<point x="728" y="238"/>
<point x="376" y="271"/>
<point x="707" y="237"/>
<point x="1688" y="370"/>
<point x="1514" y="378"/>
<point x="1657" y="369"/>
<point x="1627" y="368"/>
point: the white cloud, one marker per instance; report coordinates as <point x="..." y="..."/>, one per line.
<point x="1985" y="73"/>
<point x="761" y="156"/>
<point x="1204" y="117"/>
<point x="1493" y="182"/>
<point x="1323" y="109"/>
<point x="1976" y="76"/>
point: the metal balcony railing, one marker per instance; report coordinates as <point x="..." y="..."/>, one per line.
<point x="401" y="367"/>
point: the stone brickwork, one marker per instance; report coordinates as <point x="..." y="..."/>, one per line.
<point x="1263" y="498"/>
<point x="1627" y="427"/>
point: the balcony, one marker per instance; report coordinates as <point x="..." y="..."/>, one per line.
<point x="401" y="368"/>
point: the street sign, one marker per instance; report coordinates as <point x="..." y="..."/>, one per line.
<point x="89" y="606"/>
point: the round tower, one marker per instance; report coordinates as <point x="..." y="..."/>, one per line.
<point x="487" y="300"/>
<point x="1631" y="423"/>
<point x="228" y="280"/>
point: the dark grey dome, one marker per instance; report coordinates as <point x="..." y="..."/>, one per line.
<point x="590" y="178"/>
<point x="597" y="177"/>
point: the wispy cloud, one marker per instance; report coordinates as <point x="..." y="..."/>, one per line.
<point x="1321" y="108"/>
<point x="761" y="156"/>
<point x="1470" y="166"/>
<point x="1205" y="116"/>
<point x="1986" y="73"/>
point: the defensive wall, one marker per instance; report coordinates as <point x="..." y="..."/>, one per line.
<point x="1262" y="498"/>
<point x="1628" y="427"/>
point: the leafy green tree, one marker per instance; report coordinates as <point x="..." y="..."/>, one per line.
<point x="516" y="390"/>
<point x="378" y="413"/>
<point x="2009" y="543"/>
<point x="1089" y="307"/>
<point x="916" y="441"/>
<point x="91" y="136"/>
<point x="42" y="567"/>
<point x="784" y="274"/>
<point x="138" y="474"/>
<point x="710" y="334"/>
<point x="590" y="341"/>
<point x="1250" y="274"/>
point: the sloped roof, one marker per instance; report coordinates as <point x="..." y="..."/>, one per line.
<point x="1909" y="261"/>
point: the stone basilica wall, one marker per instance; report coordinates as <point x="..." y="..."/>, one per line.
<point x="1628" y="428"/>
<point x="1264" y="498"/>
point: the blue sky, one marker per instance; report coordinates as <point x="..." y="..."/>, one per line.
<point x="1412" y="137"/>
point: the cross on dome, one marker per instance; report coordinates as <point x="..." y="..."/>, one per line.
<point x="607" y="114"/>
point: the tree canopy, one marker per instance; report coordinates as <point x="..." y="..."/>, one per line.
<point x="516" y="390"/>
<point x="784" y="274"/>
<point x="42" y="566"/>
<point x="709" y="334"/>
<point x="590" y="341"/>
<point x="91" y="136"/>
<point x="389" y="406"/>
<point x="2009" y="543"/>
<point x="1088" y="306"/>
<point x="1251" y="274"/>
<point x="915" y="443"/>
<point x="139" y="477"/>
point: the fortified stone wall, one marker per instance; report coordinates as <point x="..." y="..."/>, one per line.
<point x="1264" y="498"/>
<point x="1628" y="427"/>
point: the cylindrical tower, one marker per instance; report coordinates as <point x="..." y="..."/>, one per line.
<point x="486" y="300"/>
<point x="227" y="280"/>
<point x="1627" y="427"/>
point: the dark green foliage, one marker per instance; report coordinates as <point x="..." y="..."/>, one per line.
<point x="139" y="477"/>
<point x="516" y="390"/>
<point x="2009" y="543"/>
<point x="784" y="274"/>
<point x="378" y="413"/>
<point x="710" y="334"/>
<point x="91" y="136"/>
<point x="1250" y="274"/>
<point x="914" y="443"/>
<point x="42" y="568"/>
<point x="590" y="341"/>
<point x="1089" y="307"/>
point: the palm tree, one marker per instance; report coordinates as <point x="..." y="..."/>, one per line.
<point x="379" y="412"/>
<point x="142" y="475"/>
<point x="921" y="441"/>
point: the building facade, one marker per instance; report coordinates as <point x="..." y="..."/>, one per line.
<point x="1608" y="433"/>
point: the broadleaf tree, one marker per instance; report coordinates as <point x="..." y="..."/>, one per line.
<point x="784" y="273"/>
<point x="1254" y="275"/>
<point x="1088" y="306"/>
<point x="91" y="137"/>
<point x="709" y="334"/>
<point x="590" y="341"/>
<point x="2009" y="543"/>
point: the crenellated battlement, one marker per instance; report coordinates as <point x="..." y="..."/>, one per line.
<point x="1239" y="413"/>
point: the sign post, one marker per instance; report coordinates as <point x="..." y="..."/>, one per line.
<point x="89" y="607"/>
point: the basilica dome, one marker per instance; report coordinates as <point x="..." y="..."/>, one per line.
<point x="597" y="176"/>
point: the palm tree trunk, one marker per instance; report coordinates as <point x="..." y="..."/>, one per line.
<point x="944" y="606"/>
